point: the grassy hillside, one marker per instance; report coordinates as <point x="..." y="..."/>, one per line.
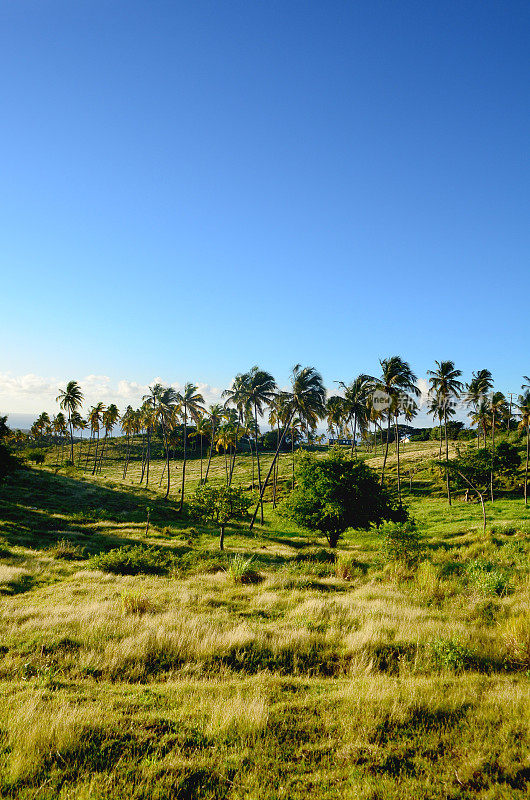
<point x="169" y="670"/>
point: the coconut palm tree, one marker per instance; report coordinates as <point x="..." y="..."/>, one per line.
<point x="335" y="415"/>
<point x="237" y="396"/>
<point x="70" y="400"/>
<point x="79" y="424"/>
<point x="476" y="390"/>
<point x="356" y="404"/>
<point x="166" y="403"/>
<point x="523" y="403"/>
<point x="498" y="408"/>
<point x="60" y="428"/>
<point x="260" y="388"/>
<point x="446" y="387"/>
<point x="397" y="382"/>
<point x="191" y="404"/>
<point x="306" y="399"/>
<point x="202" y="429"/>
<point x="216" y="415"/>
<point x="109" y="418"/>
<point x="95" y="415"/>
<point x="128" y="425"/>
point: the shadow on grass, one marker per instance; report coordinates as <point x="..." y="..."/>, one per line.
<point x="38" y="508"/>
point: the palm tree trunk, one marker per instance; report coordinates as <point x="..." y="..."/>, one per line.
<point x="96" y="455"/>
<point x="386" y="449"/>
<point x="397" y="452"/>
<point x="492" y="454"/>
<point x="210" y="454"/>
<point x="166" y="443"/>
<point x="258" y="462"/>
<point x="269" y="473"/>
<point x="184" y="461"/>
<point x="71" y="439"/>
<point x="233" y="459"/>
<point x="526" y="465"/>
<point x="200" y="436"/>
<point x="447" y="459"/>
<point x="148" y="455"/>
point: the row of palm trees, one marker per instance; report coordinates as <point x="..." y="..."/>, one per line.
<point x="365" y="401"/>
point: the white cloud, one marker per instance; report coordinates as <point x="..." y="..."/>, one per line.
<point x="32" y="393"/>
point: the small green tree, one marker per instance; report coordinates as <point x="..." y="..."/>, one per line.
<point x="220" y="505"/>
<point x="335" y="493"/>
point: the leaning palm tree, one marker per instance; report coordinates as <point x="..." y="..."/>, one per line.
<point x="446" y="387"/>
<point x="70" y="400"/>
<point x="523" y="402"/>
<point x="191" y="403"/>
<point x="397" y="382"/>
<point x="260" y="388"/>
<point x="307" y="399"/>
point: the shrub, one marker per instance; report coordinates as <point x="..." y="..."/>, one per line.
<point x="486" y="577"/>
<point x="451" y="654"/>
<point x="67" y="550"/>
<point x="133" y="560"/>
<point x="240" y="571"/>
<point x="400" y="542"/>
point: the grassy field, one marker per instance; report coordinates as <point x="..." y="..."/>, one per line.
<point x="170" y="670"/>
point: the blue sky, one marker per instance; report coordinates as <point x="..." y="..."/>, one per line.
<point x="191" y="188"/>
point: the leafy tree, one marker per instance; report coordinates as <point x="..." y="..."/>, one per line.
<point x="335" y="493"/>
<point x="4" y="430"/>
<point x="219" y="505"/>
<point x="70" y="400"/>
<point x="8" y="462"/>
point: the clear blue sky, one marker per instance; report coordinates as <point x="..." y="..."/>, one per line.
<point x="189" y="188"/>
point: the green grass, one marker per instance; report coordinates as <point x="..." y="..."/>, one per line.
<point x="145" y="665"/>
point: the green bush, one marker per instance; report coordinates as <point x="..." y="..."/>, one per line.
<point x="37" y="456"/>
<point x="133" y="560"/>
<point x="486" y="577"/>
<point x="66" y="550"/>
<point x="240" y="569"/>
<point x="451" y="654"/>
<point x="400" y="542"/>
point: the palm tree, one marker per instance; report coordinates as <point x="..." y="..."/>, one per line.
<point x="109" y="418"/>
<point x="70" y="399"/>
<point x="335" y="415"/>
<point x="307" y="399"/>
<point x="397" y="381"/>
<point x="259" y="388"/>
<point x="497" y="409"/>
<point x="216" y="414"/>
<point x="191" y="402"/>
<point x="128" y="426"/>
<point x="79" y="424"/>
<point x="225" y="439"/>
<point x="446" y="387"/>
<point x="60" y="428"/>
<point x="94" y="418"/>
<point x="237" y="396"/>
<point x="523" y="402"/>
<point x="476" y="390"/>
<point x="202" y="429"/>
<point x="168" y="404"/>
<point x="356" y="404"/>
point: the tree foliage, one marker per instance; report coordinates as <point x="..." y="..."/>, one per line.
<point x="220" y="505"/>
<point x="335" y="493"/>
